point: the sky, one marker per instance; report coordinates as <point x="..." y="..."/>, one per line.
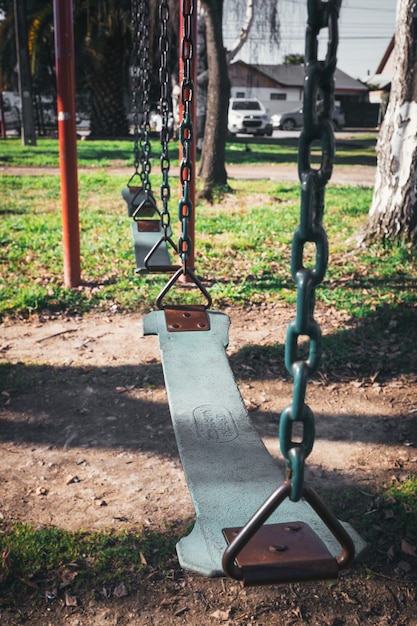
<point x="365" y="30"/>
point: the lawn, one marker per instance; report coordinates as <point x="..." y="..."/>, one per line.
<point x="241" y="266"/>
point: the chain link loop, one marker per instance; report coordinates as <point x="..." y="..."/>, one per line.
<point x="137" y="34"/>
<point x="165" y="188"/>
<point x="140" y="96"/>
<point x="185" y="207"/>
<point x="317" y="117"/>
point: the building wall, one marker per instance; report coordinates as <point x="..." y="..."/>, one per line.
<point x="274" y="100"/>
<point x="252" y="84"/>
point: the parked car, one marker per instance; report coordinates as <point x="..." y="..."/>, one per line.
<point x="248" y="116"/>
<point x="155" y="122"/>
<point x="294" y="119"/>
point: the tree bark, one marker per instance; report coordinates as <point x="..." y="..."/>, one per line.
<point x="212" y="168"/>
<point x="393" y="213"/>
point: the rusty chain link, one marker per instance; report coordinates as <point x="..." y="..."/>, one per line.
<point x="185" y="207"/>
<point x="317" y="126"/>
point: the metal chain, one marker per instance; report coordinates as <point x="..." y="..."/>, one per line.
<point x="317" y="117"/>
<point x="136" y="37"/>
<point x="185" y="207"/>
<point x="145" y="144"/>
<point x="164" y="110"/>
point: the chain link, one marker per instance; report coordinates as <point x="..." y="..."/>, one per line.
<point x="137" y="34"/>
<point x="140" y="97"/>
<point x="164" y="110"/>
<point x="317" y="126"/>
<point x="185" y="207"/>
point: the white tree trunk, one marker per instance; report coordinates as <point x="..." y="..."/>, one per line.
<point x="394" y="206"/>
<point x="244" y="33"/>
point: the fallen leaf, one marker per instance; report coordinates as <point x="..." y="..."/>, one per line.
<point x="70" y="600"/>
<point x="29" y="583"/>
<point x="408" y="548"/>
<point x="181" y="611"/>
<point x="7" y="397"/>
<point x="347" y="598"/>
<point x="143" y="559"/>
<point x="222" y="616"/>
<point x="5" y="558"/>
<point x="402" y="568"/>
<point x="67" y="577"/>
<point x="41" y="491"/>
<point x="71" y="479"/>
<point x="120" y="590"/>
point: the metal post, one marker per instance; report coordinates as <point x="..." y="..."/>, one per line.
<point x="25" y="80"/>
<point x="65" y="75"/>
<point x="2" y="120"/>
<point x="191" y="259"/>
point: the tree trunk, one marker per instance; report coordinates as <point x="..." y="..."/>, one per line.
<point x="108" y="113"/>
<point x="393" y="213"/>
<point x="108" y="57"/>
<point x="212" y="168"/>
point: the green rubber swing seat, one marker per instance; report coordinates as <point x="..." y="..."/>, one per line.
<point x="230" y="473"/>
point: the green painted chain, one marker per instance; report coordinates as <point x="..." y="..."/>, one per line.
<point x="317" y="126"/>
<point x="164" y="109"/>
<point x="185" y="207"/>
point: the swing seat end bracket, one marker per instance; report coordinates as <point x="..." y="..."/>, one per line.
<point x="191" y="318"/>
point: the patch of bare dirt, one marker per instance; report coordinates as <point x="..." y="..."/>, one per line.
<point x="86" y="442"/>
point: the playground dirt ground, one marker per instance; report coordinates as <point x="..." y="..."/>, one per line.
<point x="86" y="442"/>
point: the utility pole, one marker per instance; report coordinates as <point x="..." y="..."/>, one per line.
<point x="25" y="82"/>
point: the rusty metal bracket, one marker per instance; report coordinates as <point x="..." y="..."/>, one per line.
<point x="288" y="552"/>
<point x="148" y="226"/>
<point x="191" y="318"/>
<point x="297" y="553"/>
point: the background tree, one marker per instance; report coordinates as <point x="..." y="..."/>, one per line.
<point x="264" y="16"/>
<point x="107" y="45"/>
<point x="294" y="59"/>
<point x="393" y="213"/>
<point x="212" y="167"/>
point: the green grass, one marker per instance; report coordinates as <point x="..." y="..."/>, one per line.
<point x="243" y="240"/>
<point x="245" y="264"/>
<point x="103" y="153"/>
<point x="53" y="560"/>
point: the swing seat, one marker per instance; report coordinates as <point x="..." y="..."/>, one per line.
<point x="146" y="235"/>
<point x="229" y="471"/>
<point x="151" y="250"/>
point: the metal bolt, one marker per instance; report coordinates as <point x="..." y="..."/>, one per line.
<point x="278" y="548"/>
<point x="293" y="529"/>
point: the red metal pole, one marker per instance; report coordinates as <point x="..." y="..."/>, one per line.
<point x="193" y="151"/>
<point x="67" y="133"/>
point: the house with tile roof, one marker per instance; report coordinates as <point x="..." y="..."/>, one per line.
<point x="280" y="87"/>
